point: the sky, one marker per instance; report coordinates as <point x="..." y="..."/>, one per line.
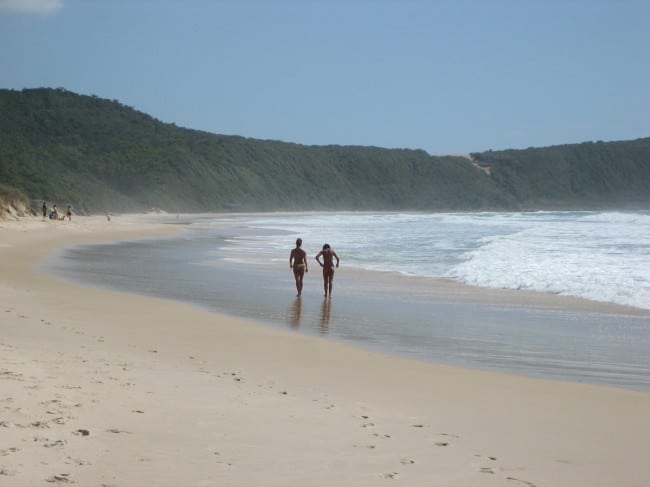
<point x="448" y="77"/>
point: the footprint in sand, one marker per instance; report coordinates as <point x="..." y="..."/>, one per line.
<point x="383" y="437"/>
<point x="10" y="375"/>
<point x="444" y="441"/>
<point x="221" y="462"/>
<point x="491" y="458"/>
<point x="77" y="461"/>
<point x="51" y="401"/>
<point x="62" y="478"/>
<point x="488" y="470"/>
<point x="366" y="424"/>
<point x="369" y="447"/>
<point x="390" y="475"/>
<point x="8" y="451"/>
<point x="525" y="482"/>
<point x="55" y="444"/>
<point x="40" y="425"/>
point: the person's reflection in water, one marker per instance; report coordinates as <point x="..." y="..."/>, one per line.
<point x="325" y="310"/>
<point x="295" y="313"/>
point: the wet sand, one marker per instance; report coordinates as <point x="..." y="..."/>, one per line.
<point x="441" y="321"/>
<point x="106" y="388"/>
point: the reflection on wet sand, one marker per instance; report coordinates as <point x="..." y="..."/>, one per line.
<point x="325" y="311"/>
<point x="295" y="313"/>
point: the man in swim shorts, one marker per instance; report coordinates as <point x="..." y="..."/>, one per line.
<point x="298" y="262"/>
<point x="328" y="267"/>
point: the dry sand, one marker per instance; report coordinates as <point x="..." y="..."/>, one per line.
<point x="101" y="388"/>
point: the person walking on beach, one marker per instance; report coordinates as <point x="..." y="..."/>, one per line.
<point x="328" y="267"/>
<point x="298" y="262"/>
<point x="44" y="210"/>
<point x="68" y="213"/>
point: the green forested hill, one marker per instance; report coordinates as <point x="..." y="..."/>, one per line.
<point x="612" y="174"/>
<point x="98" y="154"/>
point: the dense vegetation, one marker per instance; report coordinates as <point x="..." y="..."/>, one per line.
<point x="589" y="175"/>
<point x="98" y="154"/>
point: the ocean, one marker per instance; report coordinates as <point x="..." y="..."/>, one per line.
<point x="390" y="264"/>
<point x="597" y="256"/>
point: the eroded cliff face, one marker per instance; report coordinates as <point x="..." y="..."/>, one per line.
<point x="13" y="208"/>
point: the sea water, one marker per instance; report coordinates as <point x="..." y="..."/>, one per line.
<point x="238" y="265"/>
<point x="597" y="256"/>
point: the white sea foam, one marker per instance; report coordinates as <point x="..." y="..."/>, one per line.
<point x="599" y="256"/>
<point x="603" y="259"/>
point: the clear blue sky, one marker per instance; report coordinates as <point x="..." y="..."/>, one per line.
<point x="443" y="76"/>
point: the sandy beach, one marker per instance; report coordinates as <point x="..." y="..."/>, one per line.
<point x="103" y="388"/>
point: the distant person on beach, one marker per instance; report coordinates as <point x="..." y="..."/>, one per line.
<point x="54" y="214"/>
<point x="298" y="262"/>
<point x="328" y="267"/>
<point x="44" y="210"/>
<point x="68" y="213"/>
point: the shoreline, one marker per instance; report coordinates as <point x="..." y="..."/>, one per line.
<point x="439" y="321"/>
<point x="447" y="288"/>
<point x="173" y="395"/>
<point x="441" y="287"/>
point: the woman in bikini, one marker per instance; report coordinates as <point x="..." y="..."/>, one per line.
<point x="298" y="262"/>
<point x="328" y="267"/>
